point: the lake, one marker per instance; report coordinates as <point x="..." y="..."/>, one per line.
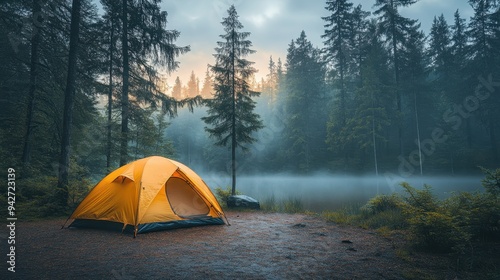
<point x="331" y="192"/>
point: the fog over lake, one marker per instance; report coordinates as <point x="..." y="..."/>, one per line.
<point x="331" y="192"/>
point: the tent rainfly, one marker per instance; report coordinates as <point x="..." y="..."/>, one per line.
<point x="150" y="194"/>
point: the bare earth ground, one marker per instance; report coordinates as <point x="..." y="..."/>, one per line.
<point x="257" y="245"/>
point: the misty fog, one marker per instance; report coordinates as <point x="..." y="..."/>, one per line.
<point x="330" y="192"/>
<point x="317" y="191"/>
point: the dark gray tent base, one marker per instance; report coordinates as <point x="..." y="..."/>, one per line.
<point x="142" y="228"/>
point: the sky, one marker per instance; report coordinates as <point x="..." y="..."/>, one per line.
<point x="272" y="24"/>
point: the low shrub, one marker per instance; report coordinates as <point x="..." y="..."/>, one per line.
<point x="438" y="231"/>
<point x="491" y="182"/>
<point x="381" y="203"/>
<point x="432" y="226"/>
<point x="223" y="194"/>
<point x="390" y="218"/>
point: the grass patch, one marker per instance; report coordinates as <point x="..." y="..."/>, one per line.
<point x="270" y="205"/>
<point x="291" y="205"/>
<point x="339" y="217"/>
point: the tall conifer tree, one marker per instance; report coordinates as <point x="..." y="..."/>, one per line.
<point x="337" y="46"/>
<point x="394" y="27"/>
<point x="230" y="113"/>
<point x="305" y="117"/>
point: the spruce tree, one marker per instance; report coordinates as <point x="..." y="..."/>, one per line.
<point x="206" y="90"/>
<point x="440" y="48"/>
<point x="305" y="118"/>
<point x="414" y="74"/>
<point x="485" y="57"/>
<point x="177" y="89"/>
<point x="192" y="86"/>
<point x="459" y="87"/>
<point x="394" y="26"/>
<point x="145" y="43"/>
<point x="338" y="47"/>
<point x="231" y="119"/>
<point x="69" y="96"/>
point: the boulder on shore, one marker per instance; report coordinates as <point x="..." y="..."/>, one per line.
<point x="242" y="201"/>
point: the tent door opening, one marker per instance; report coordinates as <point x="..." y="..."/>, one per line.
<point x="184" y="201"/>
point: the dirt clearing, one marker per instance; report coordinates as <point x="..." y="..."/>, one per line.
<point x="256" y="246"/>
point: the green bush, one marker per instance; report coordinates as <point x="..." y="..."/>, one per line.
<point x="491" y="182"/>
<point x="485" y="216"/>
<point x="390" y="218"/>
<point x="438" y="231"/>
<point x="445" y="226"/>
<point x="36" y="198"/>
<point x="223" y="195"/>
<point x="381" y="203"/>
<point x="420" y="200"/>
<point x="383" y="211"/>
<point x="433" y="226"/>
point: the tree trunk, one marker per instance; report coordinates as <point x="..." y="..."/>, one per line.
<point x="110" y="98"/>
<point x="418" y="133"/>
<point x="35" y="42"/>
<point x="374" y="141"/>
<point x="62" y="183"/>
<point x="125" y="54"/>
<point x="342" y="86"/>
<point x="233" y="121"/>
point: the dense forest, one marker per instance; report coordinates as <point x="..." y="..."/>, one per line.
<point x="82" y="93"/>
<point x="381" y="95"/>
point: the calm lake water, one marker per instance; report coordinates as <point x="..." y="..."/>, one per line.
<point x="330" y="192"/>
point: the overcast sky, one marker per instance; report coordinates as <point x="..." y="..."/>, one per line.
<point x="272" y="23"/>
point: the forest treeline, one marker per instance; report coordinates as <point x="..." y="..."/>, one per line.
<point x="380" y="95"/>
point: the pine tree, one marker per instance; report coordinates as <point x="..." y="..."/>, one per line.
<point x="177" y="89"/>
<point x="366" y="129"/>
<point x="459" y="38"/>
<point x="230" y="112"/>
<point x="359" y="38"/>
<point x="440" y="48"/>
<point x="460" y="60"/>
<point x="279" y="74"/>
<point x="305" y="118"/>
<point x="192" y="86"/>
<point x="271" y="83"/>
<point x="34" y="61"/>
<point x="414" y="75"/>
<point x="394" y="27"/>
<point x="145" y="43"/>
<point x="111" y="21"/>
<point x="69" y="95"/>
<point x="206" y="90"/>
<point x="485" y="57"/>
<point x="338" y="47"/>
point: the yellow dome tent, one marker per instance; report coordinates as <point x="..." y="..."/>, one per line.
<point x="150" y="194"/>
